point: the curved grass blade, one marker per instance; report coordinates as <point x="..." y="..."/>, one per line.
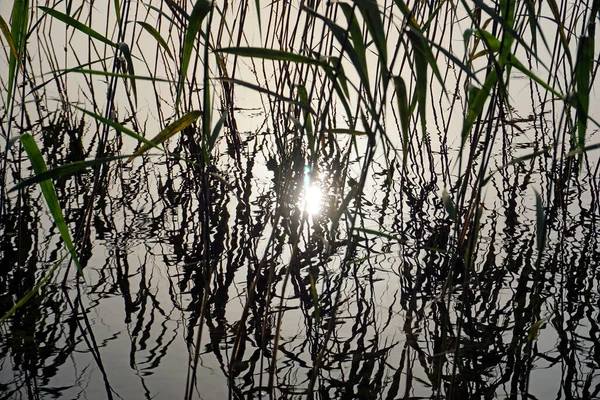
<point x="272" y="54"/>
<point x="64" y="170"/>
<point x="112" y="74"/>
<point x="115" y="125"/>
<point x="124" y="48"/>
<point x="20" y="13"/>
<point x="156" y="35"/>
<point x="59" y="73"/>
<point x="33" y="291"/>
<point x="9" y="38"/>
<point x="77" y="25"/>
<point x="39" y="167"/>
<point x="169" y="131"/>
<point x="404" y="111"/>
<point x="117" y="11"/>
<point x="341" y="36"/>
<point x="356" y="36"/>
<point x="372" y="16"/>
<point x="200" y="11"/>
<point x="216" y="130"/>
<point x="269" y="93"/>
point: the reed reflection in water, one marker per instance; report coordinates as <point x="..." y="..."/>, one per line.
<point x="318" y="246"/>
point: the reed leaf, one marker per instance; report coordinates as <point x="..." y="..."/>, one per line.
<point x="72" y="22"/>
<point x="583" y="71"/>
<point x="268" y="92"/>
<point x="156" y="35"/>
<point x="372" y="16"/>
<point x="404" y="111"/>
<point x="39" y="167"/>
<point x="169" y="131"/>
<point x="9" y="39"/>
<point x="118" y="127"/>
<point x="33" y="291"/>
<point x="272" y="54"/>
<point x="199" y="12"/>
<point x="20" y="21"/>
<point x="64" y="170"/>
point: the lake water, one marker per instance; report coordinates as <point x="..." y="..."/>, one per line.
<point x="257" y="271"/>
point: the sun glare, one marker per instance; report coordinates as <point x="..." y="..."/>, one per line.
<point x="313" y="197"/>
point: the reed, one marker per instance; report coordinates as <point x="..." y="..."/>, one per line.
<point x="379" y="96"/>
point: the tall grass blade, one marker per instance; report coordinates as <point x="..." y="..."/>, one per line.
<point x="272" y="54"/>
<point x="356" y="36"/>
<point x="217" y="130"/>
<point x="268" y="92"/>
<point x="64" y="170"/>
<point x="20" y="19"/>
<point x="118" y="127"/>
<point x="156" y="35"/>
<point x="117" y="11"/>
<point x="33" y="291"/>
<point x="39" y="167"/>
<point x="583" y="71"/>
<point x="72" y="22"/>
<point x="533" y="23"/>
<point x="372" y="16"/>
<point x="199" y="12"/>
<point x="169" y="131"/>
<point x="9" y="39"/>
<point x="561" y="30"/>
<point x="404" y="111"/>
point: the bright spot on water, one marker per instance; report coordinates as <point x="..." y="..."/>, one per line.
<point x="313" y="197"/>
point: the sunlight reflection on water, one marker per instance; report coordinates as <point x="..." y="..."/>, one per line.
<point x="312" y="196"/>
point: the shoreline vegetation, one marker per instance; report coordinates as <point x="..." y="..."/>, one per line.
<point x="299" y="199"/>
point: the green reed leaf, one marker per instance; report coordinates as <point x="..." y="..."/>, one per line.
<point x="64" y="170"/>
<point x="340" y="34"/>
<point x="33" y="291"/>
<point x="268" y="92"/>
<point x="421" y="84"/>
<point x="156" y="35"/>
<point x="561" y="30"/>
<point x="72" y="22"/>
<point x="217" y="130"/>
<point x="199" y="12"/>
<point x="404" y="111"/>
<point x="116" y="75"/>
<point x="20" y="21"/>
<point x="9" y="38"/>
<point x="39" y="167"/>
<point x="356" y="36"/>
<point x="118" y="127"/>
<point x="271" y="54"/>
<point x="117" y="11"/>
<point x="372" y="16"/>
<point x="169" y="131"/>
<point x="533" y="22"/>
